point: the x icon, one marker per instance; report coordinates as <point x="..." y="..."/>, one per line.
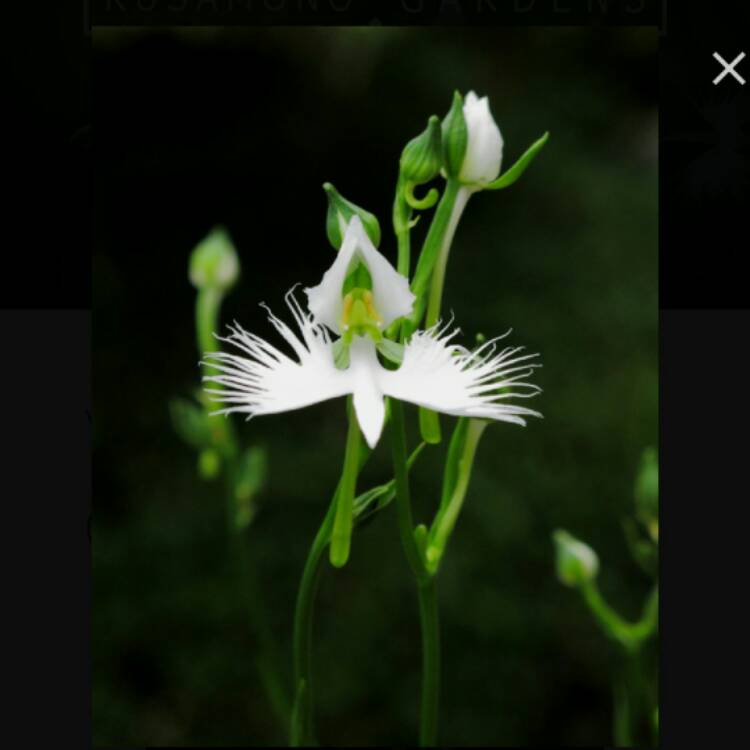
<point x="729" y="67"/>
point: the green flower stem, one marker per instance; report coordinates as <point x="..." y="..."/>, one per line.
<point x="401" y="227"/>
<point x="437" y="247"/>
<point x="341" y="533"/>
<point x="301" y="730"/>
<point x="630" y="635"/>
<point x="621" y="716"/>
<point x="207" y="307"/>
<point x="428" y="617"/>
<point x="428" y="608"/>
<point x="431" y="248"/>
<point x="301" y="725"/>
<point x="461" y="196"/>
<point x="448" y="513"/>
<point x="403" y="501"/>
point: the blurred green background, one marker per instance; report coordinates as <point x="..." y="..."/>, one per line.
<point x="241" y="127"/>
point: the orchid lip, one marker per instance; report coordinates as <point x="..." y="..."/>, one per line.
<point x="434" y="373"/>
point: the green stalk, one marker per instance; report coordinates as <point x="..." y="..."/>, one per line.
<point x="630" y="635"/>
<point x="460" y="199"/>
<point x="428" y="609"/>
<point x="341" y="534"/>
<point x="301" y="730"/>
<point x="403" y="501"/>
<point x="302" y="723"/>
<point x="207" y="307"/>
<point x="401" y="227"/>
<point x="449" y="510"/>
<point x="428" y="617"/>
<point x="430" y="253"/>
<point x="435" y="254"/>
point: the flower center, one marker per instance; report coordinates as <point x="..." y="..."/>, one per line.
<point x="359" y="315"/>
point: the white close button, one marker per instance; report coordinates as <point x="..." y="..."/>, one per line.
<point x="729" y="68"/>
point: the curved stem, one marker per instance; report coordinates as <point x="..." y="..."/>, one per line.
<point x="630" y="635"/>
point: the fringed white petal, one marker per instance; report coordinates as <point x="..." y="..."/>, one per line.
<point x="390" y="290"/>
<point x="265" y="380"/>
<point x="450" y="379"/>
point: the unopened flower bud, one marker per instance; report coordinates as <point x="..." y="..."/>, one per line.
<point x="484" y="143"/>
<point x="422" y="156"/>
<point x="575" y="561"/>
<point x="214" y="262"/>
<point x="340" y="210"/>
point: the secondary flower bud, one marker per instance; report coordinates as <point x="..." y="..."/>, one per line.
<point x="340" y="210"/>
<point x="214" y="262"/>
<point x="454" y="137"/>
<point x="484" y="146"/>
<point x="422" y="156"/>
<point x="575" y="561"/>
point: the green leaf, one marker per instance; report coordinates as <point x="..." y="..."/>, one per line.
<point x="190" y="422"/>
<point x="508" y="177"/>
<point x="375" y="499"/>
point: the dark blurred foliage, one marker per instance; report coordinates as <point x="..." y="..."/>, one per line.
<point x="241" y="127"/>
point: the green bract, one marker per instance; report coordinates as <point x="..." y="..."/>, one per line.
<point x="507" y="178"/>
<point x="340" y="210"/>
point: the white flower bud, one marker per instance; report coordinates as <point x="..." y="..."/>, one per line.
<point x="484" y="148"/>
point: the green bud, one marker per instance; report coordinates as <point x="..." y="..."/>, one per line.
<point x="340" y="211"/>
<point x="575" y="561"/>
<point x="647" y="492"/>
<point x="422" y="156"/>
<point x="455" y="137"/>
<point x="214" y="261"/>
<point x="209" y="463"/>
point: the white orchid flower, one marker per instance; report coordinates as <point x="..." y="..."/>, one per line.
<point x="433" y="373"/>
<point x="484" y="143"/>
